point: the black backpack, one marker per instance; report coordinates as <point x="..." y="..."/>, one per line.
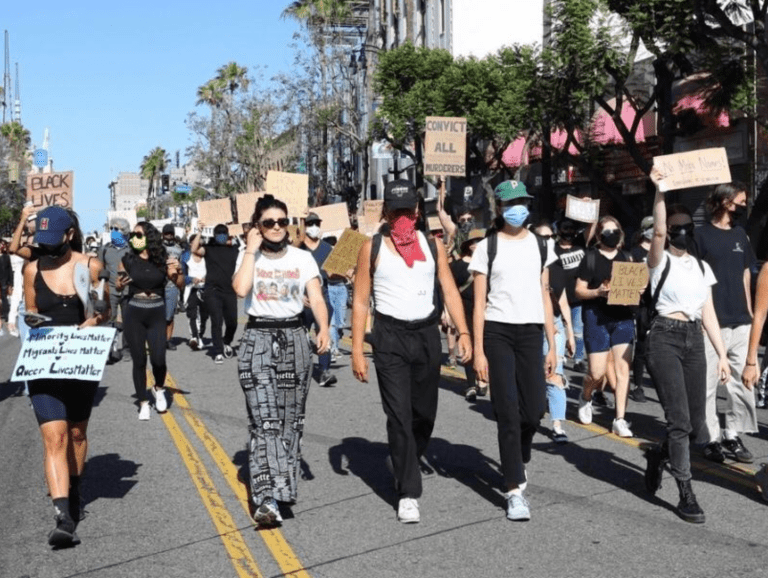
<point x="493" y="248"/>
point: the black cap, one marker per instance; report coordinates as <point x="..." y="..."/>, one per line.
<point x="400" y="194"/>
<point x="169" y="229"/>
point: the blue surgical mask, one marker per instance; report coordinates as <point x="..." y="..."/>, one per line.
<point x="118" y="240"/>
<point x="221" y="238"/>
<point x="516" y="215"/>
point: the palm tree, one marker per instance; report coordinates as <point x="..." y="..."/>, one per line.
<point x="17" y="136"/>
<point x="211" y="94"/>
<point x="308" y="10"/>
<point x="152" y="166"/>
<point x="233" y="76"/>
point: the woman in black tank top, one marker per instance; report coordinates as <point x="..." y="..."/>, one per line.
<point x="62" y="406"/>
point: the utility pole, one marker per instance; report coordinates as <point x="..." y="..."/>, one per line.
<point x="7" y="78"/>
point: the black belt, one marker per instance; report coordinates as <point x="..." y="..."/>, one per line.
<point x="417" y="324"/>
<point x="268" y="323"/>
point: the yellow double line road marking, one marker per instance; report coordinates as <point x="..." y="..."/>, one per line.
<point x="274" y="540"/>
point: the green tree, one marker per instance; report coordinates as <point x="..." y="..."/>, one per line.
<point x="15" y="158"/>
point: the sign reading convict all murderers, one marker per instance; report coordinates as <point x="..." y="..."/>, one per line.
<point x="628" y="281"/>
<point x="48" y="189"/>
<point x="445" y="146"/>
<point x="693" y="169"/>
<point x="64" y="353"/>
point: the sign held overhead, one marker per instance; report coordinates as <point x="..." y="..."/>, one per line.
<point x="445" y="146"/>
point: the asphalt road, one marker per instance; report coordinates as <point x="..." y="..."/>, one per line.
<point x="165" y="497"/>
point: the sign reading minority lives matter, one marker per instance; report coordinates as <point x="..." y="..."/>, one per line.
<point x="582" y="210"/>
<point x="693" y="169"/>
<point x="48" y="189"/>
<point x="445" y="146"/>
<point x="628" y="281"/>
<point x="64" y="353"/>
<point x="344" y="254"/>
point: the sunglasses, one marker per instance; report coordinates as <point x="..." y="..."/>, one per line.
<point x="270" y="223"/>
<point x="311" y="223"/>
<point x="467" y="220"/>
<point x="137" y="235"/>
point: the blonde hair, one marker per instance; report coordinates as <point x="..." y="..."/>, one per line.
<point x="601" y="224"/>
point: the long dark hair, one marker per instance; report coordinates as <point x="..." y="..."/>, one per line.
<point x="76" y="244"/>
<point x="721" y="195"/>
<point x="155" y="248"/>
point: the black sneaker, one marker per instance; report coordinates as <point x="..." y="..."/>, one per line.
<point x="63" y="535"/>
<point x="637" y="394"/>
<point x="654" y="470"/>
<point x="688" y="508"/>
<point x="599" y="398"/>
<point x="737" y="449"/>
<point x="327" y="379"/>
<point x="170" y="346"/>
<point x="714" y="452"/>
<point x="471" y="393"/>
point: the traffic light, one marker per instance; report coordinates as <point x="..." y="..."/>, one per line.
<point x="166" y="183"/>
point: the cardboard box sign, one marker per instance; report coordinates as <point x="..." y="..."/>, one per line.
<point x="628" y="281"/>
<point x="445" y="146"/>
<point x="215" y="212"/>
<point x="693" y="169"/>
<point x="335" y="217"/>
<point x="344" y="254"/>
<point x="292" y="189"/>
<point x="48" y="189"/>
<point x="246" y="205"/>
<point x="583" y="210"/>
<point x="372" y="211"/>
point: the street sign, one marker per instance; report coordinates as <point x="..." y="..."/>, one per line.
<point x="185" y="189"/>
<point x="41" y="158"/>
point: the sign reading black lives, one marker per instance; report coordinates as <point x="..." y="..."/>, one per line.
<point x="445" y="146"/>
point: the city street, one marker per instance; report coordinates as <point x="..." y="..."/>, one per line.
<point x="166" y="498"/>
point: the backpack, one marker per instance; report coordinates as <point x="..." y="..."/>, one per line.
<point x="493" y="248"/>
<point x="436" y="295"/>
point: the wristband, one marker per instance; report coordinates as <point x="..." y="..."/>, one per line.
<point x="751" y="364"/>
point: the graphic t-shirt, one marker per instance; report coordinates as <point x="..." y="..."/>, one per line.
<point x="570" y="259"/>
<point x="279" y="284"/>
<point x="728" y="252"/>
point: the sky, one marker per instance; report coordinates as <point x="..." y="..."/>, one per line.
<point x="111" y="81"/>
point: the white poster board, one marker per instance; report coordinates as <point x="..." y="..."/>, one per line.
<point x="693" y="169"/>
<point x="583" y="210"/>
<point x="64" y="353"/>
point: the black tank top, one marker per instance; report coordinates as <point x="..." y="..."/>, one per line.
<point x="147" y="277"/>
<point x="62" y="309"/>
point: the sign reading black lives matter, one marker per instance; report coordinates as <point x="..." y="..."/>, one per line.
<point x="48" y="189"/>
<point x="445" y="146"/>
<point x="64" y="353"/>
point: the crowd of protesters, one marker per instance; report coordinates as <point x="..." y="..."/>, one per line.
<point x="518" y="299"/>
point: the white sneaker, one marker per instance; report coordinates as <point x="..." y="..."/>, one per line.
<point x="267" y="515"/>
<point x="621" y="428"/>
<point x="14" y="331"/>
<point x="585" y="410"/>
<point x="518" y="509"/>
<point x="228" y="352"/>
<point x="408" y="511"/>
<point x="144" y="412"/>
<point x="161" y="404"/>
<point x="219" y="359"/>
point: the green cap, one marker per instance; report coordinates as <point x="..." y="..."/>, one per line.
<point x="509" y="190"/>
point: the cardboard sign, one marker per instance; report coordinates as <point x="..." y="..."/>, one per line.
<point x="344" y="254"/>
<point x="212" y="213"/>
<point x="628" y="281"/>
<point x="64" y="353"/>
<point x="335" y="217"/>
<point x="48" y="189"/>
<point x="445" y="146"/>
<point x="235" y="230"/>
<point x="246" y="205"/>
<point x="584" y="210"/>
<point x="433" y="222"/>
<point x="292" y="189"/>
<point x="129" y="215"/>
<point x="693" y="169"/>
<point x="372" y="211"/>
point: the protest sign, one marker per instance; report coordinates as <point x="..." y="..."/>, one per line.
<point x="693" y="169"/>
<point x="433" y="222"/>
<point x="129" y="215"/>
<point x="292" y="189"/>
<point x="583" y="210"/>
<point x="335" y="217"/>
<point x="246" y="205"/>
<point x="445" y="146"/>
<point x="344" y="254"/>
<point x="235" y="230"/>
<point x="372" y="211"/>
<point x="215" y="212"/>
<point x="64" y="353"/>
<point x="628" y="281"/>
<point x="48" y="189"/>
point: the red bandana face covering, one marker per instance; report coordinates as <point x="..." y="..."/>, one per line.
<point x="406" y="239"/>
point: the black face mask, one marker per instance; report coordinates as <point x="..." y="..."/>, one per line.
<point x="680" y="236"/>
<point x="272" y="247"/>
<point x="738" y="212"/>
<point x="610" y="239"/>
<point x="467" y="226"/>
<point x="53" y="251"/>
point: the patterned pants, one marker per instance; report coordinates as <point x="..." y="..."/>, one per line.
<point x="274" y="370"/>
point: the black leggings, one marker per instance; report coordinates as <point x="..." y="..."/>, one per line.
<point x="197" y="313"/>
<point x="222" y="308"/>
<point x="145" y="323"/>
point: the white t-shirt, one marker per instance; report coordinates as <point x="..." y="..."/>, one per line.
<point x="403" y="292"/>
<point x="515" y="295"/>
<point x="686" y="289"/>
<point x="278" y="284"/>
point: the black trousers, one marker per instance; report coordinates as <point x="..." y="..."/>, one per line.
<point x="197" y="313"/>
<point x="408" y="371"/>
<point x="518" y="391"/>
<point x="144" y="322"/>
<point x="222" y="308"/>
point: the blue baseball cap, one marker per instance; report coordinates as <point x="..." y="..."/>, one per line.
<point x="52" y="223"/>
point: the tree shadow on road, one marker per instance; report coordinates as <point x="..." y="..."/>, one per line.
<point x="106" y="476"/>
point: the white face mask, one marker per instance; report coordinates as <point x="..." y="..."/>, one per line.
<point x="648" y="234"/>
<point x="313" y="231"/>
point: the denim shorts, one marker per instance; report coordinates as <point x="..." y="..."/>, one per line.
<point x="602" y="332"/>
<point x="171" y="300"/>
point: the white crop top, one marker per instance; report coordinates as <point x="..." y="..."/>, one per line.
<point x="686" y="289"/>
<point x="196" y="270"/>
<point x="404" y="292"/>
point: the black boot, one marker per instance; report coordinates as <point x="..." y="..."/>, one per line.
<point x="657" y="457"/>
<point x="688" y="508"/>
